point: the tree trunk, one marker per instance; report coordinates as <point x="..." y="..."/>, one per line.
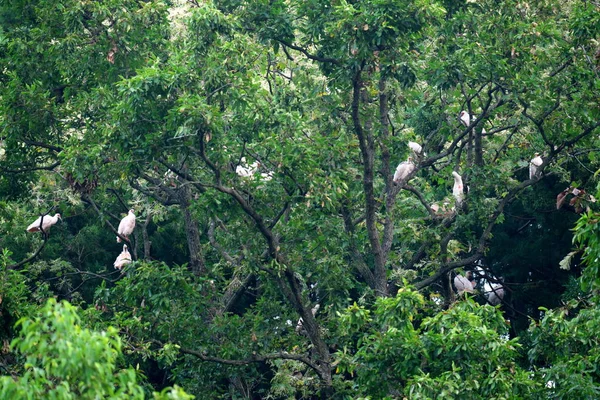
<point x="147" y="242"/>
<point x="191" y="232"/>
<point x="479" y="145"/>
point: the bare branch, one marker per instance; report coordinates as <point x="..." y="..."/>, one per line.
<point x="307" y="54"/>
<point x="38" y="251"/>
<point x="43" y="145"/>
<point x="18" y="171"/>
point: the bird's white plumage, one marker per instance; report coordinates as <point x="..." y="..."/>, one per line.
<point x="457" y="189"/>
<point x="462" y="284"/>
<point x="46" y="224"/>
<point x="415" y="147"/>
<point x="126" y="226"/>
<point x="403" y="169"/>
<point x="534" y="166"/>
<point x="300" y="321"/>
<point x="122" y="259"/>
<point x="465" y="118"/>
<point x="496" y="295"/>
<point x="246" y="171"/>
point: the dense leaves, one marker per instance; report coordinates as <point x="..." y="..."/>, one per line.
<point x="274" y="255"/>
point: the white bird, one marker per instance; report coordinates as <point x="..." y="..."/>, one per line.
<point x="46" y="224"/>
<point x="246" y="171"/>
<point x="496" y="294"/>
<point x="300" y="321"/>
<point x="534" y="166"/>
<point x="266" y="176"/>
<point x="462" y="284"/>
<point x="126" y="226"/>
<point x="457" y="189"/>
<point x="465" y="118"/>
<point x="416" y="148"/>
<point x="123" y="259"/>
<point x="403" y="169"/>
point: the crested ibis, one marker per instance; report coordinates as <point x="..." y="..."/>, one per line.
<point x="122" y="259"/>
<point x="45" y="225"/>
<point x="126" y="226"/>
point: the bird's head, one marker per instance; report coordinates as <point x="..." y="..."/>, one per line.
<point x="58" y="216"/>
<point x="131" y="211"/>
<point x="456" y="175"/>
<point x="536" y="154"/>
<point x="124" y="248"/>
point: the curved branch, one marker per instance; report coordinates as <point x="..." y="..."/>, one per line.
<point x="91" y="202"/>
<point x="307" y="54"/>
<point x="18" y="171"/>
<point x="43" y="145"/>
<point x="422" y="200"/>
<point x="20" y="264"/>
<point x="255" y="358"/>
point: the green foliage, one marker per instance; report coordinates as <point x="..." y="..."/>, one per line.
<point x="463" y="351"/>
<point x="116" y="104"/>
<point x="65" y="361"/>
<point x="587" y="236"/>
<point x="566" y="352"/>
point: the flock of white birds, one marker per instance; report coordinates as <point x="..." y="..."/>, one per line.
<point x="126" y="227"/>
<point x="493" y="292"/>
<point x="401" y="176"/>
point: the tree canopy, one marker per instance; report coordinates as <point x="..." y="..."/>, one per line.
<point x="275" y="255"/>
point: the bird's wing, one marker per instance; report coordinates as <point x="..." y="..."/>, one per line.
<point x="34" y="226"/>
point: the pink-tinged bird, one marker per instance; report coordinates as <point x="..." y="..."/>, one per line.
<point x="123" y="259"/>
<point x="403" y="170"/>
<point x="458" y="189"/>
<point x="126" y="226"/>
<point x="416" y="148"/>
<point x="45" y="225"/>
<point x="465" y="118"/>
<point x="462" y="285"/>
<point x="534" y="166"/>
<point x="496" y="294"/>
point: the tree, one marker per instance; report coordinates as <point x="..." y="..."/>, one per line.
<point x="258" y="142"/>
<point x="65" y="361"/>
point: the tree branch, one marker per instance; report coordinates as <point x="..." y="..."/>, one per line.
<point x="18" y="171"/>
<point x="307" y="54"/>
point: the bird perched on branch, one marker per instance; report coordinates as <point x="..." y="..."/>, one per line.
<point x="496" y="294"/>
<point x="534" y="166"/>
<point x="44" y="222"/>
<point x="465" y="118"/>
<point x="416" y="148"/>
<point x="458" y="189"/>
<point x="123" y="259"/>
<point x="462" y="284"/>
<point x="403" y="170"/>
<point x="246" y="171"/>
<point x="126" y="226"/>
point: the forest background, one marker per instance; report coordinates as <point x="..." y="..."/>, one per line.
<point x="274" y="256"/>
